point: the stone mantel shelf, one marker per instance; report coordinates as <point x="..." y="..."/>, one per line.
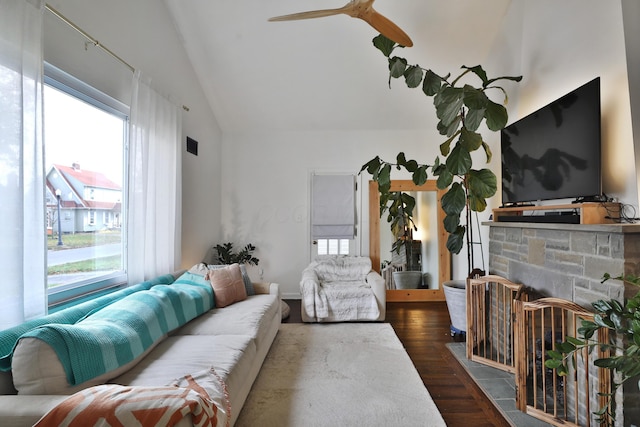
<point x="603" y="228"/>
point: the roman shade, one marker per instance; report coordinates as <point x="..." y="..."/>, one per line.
<point x="333" y="209"/>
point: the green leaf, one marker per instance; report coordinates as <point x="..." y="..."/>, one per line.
<point x="479" y="71"/>
<point x="512" y="78"/>
<point x="473" y="119"/>
<point x="609" y="363"/>
<point x="411" y="166"/>
<point x="565" y="347"/>
<point x="487" y="152"/>
<point x="445" y="147"/>
<point x="454" y="200"/>
<point x="452" y="129"/>
<point x="401" y="159"/>
<point x="408" y="202"/>
<point x="413" y="76"/>
<point x="431" y="84"/>
<point x="448" y="103"/>
<point x="455" y="241"/>
<point x="459" y="161"/>
<point x="617" y="320"/>
<point x="587" y="332"/>
<point x="419" y="177"/>
<point x="477" y="204"/>
<point x="555" y="355"/>
<point x="397" y="67"/>
<point x="575" y="341"/>
<point x="471" y="141"/>
<point x="445" y="178"/>
<point x="602" y="321"/>
<point x="372" y="166"/>
<point x="474" y="99"/>
<point x="384" y="177"/>
<point x="384" y="44"/>
<point x="496" y="116"/>
<point x="616" y="306"/>
<point x="451" y="223"/>
<point x="552" y="363"/>
<point x="602" y="306"/>
<point x="482" y="183"/>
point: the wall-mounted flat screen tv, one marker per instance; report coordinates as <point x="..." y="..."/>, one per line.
<point x="554" y="152"/>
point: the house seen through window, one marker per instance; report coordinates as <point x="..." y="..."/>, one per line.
<point x="84" y="140"/>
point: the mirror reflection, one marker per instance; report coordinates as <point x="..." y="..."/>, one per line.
<point x="419" y="255"/>
<point x="426" y="261"/>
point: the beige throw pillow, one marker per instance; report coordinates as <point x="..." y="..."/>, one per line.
<point x="228" y="286"/>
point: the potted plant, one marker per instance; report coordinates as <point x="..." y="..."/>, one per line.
<point x="226" y="254"/>
<point x="623" y="322"/>
<point x="402" y="228"/>
<point x="461" y="108"/>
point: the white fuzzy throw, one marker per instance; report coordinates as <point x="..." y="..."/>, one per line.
<point x="335" y="288"/>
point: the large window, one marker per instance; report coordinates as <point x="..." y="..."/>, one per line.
<point x="85" y="140"/>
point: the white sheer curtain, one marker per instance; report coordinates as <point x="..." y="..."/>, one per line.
<point x="22" y="231"/>
<point x="154" y="203"/>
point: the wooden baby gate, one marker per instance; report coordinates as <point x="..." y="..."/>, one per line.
<point x="490" y="332"/>
<point x="568" y="400"/>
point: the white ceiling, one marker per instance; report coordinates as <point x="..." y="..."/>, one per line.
<point x="325" y="74"/>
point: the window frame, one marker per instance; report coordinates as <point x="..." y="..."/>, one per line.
<point x="63" y="81"/>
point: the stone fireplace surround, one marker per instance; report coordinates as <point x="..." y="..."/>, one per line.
<point x="568" y="261"/>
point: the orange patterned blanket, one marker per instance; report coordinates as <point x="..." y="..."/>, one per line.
<point x="203" y="396"/>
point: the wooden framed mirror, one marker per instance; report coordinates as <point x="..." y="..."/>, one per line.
<point x="435" y="291"/>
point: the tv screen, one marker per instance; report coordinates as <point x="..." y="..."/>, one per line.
<point x="554" y="153"/>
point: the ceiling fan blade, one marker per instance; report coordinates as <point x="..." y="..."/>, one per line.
<point x="361" y="9"/>
<point x="308" y="15"/>
<point x="388" y="28"/>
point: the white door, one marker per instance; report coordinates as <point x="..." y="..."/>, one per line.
<point x="339" y="193"/>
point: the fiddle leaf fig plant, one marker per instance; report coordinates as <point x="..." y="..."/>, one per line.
<point x="461" y="109"/>
<point x="623" y="322"/>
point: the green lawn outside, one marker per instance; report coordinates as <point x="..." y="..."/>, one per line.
<point x="98" y="264"/>
<point x="83" y="240"/>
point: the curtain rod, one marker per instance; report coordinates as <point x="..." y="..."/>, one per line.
<point x="93" y="41"/>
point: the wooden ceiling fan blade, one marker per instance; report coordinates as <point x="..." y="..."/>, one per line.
<point x="308" y="15"/>
<point x="388" y="28"/>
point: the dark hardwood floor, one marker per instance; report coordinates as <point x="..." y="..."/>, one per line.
<point x="423" y="328"/>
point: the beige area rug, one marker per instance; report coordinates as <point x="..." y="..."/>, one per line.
<point x="338" y="375"/>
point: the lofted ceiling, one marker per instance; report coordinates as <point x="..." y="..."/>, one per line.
<point x="325" y="74"/>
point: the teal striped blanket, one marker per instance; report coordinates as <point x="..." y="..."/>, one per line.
<point x="9" y="337"/>
<point x="115" y="335"/>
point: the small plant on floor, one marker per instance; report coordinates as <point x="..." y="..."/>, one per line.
<point x="226" y="255"/>
<point x="624" y="342"/>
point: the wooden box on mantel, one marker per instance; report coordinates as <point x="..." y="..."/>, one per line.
<point x="590" y="212"/>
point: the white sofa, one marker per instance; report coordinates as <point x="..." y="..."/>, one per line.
<point x="341" y="288"/>
<point x="234" y="340"/>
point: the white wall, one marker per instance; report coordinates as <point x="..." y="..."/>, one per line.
<point x="564" y="45"/>
<point x="142" y="33"/>
<point x="556" y="46"/>
<point x="265" y="185"/>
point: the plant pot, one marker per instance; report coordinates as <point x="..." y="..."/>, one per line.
<point x="407" y="279"/>
<point x="455" y="293"/>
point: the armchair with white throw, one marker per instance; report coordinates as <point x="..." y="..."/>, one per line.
<point x="340" y="288"/>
